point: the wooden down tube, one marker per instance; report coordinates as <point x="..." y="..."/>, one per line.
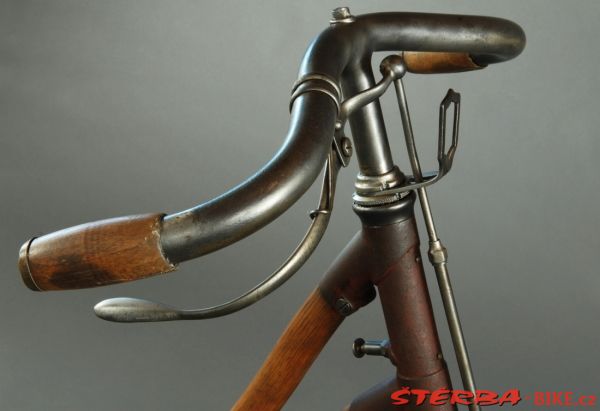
<point x="292" y="356"/>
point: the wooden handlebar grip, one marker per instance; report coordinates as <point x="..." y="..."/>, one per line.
<point x="294" y="353"/>
<point x="425" y="62"/>
<point x="94" y="254"/>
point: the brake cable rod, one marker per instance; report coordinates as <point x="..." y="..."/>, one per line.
<point x="438" y="255"/>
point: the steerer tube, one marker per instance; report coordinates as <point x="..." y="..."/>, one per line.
<point x="263" y="197"/>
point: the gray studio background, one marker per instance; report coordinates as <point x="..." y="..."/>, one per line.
<point x="112" y="108"/>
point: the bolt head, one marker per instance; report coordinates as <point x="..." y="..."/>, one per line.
<point x="346" y="147"/>
<point x="341" y="15"/>
<point x="357" y="348"/>
<point x="343" y="307"/>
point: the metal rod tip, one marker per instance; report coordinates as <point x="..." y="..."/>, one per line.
<point x="132" y="310"/>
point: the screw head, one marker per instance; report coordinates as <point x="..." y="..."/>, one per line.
<point x="346" y="147"/>
<point x="343" y="307"/>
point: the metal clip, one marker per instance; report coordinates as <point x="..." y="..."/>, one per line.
<point x="445" y="158"/>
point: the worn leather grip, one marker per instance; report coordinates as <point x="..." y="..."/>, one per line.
<point x="424" y="62"/>
<point x="95" y="254"/>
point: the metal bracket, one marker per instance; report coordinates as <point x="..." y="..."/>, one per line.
<point x="445" y="158"/>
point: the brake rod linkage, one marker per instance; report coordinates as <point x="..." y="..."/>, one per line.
<point x="438" y="255"/>
<point x="126" y="309"/>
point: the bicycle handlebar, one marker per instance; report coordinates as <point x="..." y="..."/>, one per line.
<point x="131" y="248"/>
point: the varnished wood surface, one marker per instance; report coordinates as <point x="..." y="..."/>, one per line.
<point x="438" y="62"/>
<point x="94" y="254"/>
<point x="288" y="362"/>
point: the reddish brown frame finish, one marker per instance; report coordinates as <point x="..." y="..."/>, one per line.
<point x="384" y="254"/>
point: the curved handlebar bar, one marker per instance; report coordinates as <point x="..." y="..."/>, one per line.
<point x="136" y="247"/>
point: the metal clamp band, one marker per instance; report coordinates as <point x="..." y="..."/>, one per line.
<point x="302" y="86"/>
<point x="317" y="76"/>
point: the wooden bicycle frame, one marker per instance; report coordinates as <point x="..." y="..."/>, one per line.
<point x="384" y="254"/>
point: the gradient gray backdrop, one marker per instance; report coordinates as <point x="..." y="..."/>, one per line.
<point x="111" y="108"/>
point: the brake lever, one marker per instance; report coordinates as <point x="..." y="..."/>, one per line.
<point x="126" y="309"/>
